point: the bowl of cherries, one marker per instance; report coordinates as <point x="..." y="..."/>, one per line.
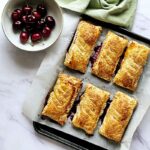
<point x="32" y="25"/>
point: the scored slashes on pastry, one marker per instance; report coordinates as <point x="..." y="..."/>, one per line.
<point x="108" y="58"/>
<point x="118" y="116"/>
<point x="84" y="41"/>
<point x="62" y="98"/>
<point x="92" y="104"/>
<point x="132" y="66"/>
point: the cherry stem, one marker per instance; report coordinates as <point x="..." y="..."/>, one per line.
<point x="27" y="2"/>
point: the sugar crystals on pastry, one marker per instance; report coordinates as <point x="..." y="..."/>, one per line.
<point x="91" y="106"/>
<point x="62" y="98"/>
<point x="118" y="116"/>
<point x="108" y="58"/>
<point x="132" y="66"/>
<point x="84" y="41"/>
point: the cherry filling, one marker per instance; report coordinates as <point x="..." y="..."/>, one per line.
<point x="105" y="110"/>
<point x="120" y="61"/>
<point x="74" y="108"/>
<point x="97" y="50"/>
<point x="46" y="99"/>
<point x="45" y="103"/>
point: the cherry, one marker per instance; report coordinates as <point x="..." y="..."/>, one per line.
<point x="24" y="36"/>
<point x="36" y="15"/>
<point x="36" y="37"/>
<point x="50" y="22"/>
<point x="33" y="22"/>
<point x="31" y="19"/>
<point x="19" y="11"/>
<point x="24" y="19"/>
<point x="27" y="9"/>
<point x="40" y="24"/>
<point x="46" y="32"/>
<point x="17" y="25"/>
<point x="29" y="28"/>
<point x="14" y="16"/>
<point x="42" y="9"/>
<point x="30" y="23"/>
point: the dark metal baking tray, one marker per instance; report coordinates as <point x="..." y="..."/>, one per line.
<point x="70" y="140"/>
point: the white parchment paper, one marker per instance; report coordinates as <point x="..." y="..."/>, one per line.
<point x="47" y="75"/>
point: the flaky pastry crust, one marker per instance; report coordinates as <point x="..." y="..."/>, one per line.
<point x="108" y="58"/>
<point x="132" y="66"/>
<point x="92" y="104"/>
<point x="118" y="116"/>
<point x="62" y="98"/>
<point x="84" y="41"/>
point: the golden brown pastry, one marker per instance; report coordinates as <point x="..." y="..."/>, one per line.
<point x="79" y="53"/>
<point x="118" y="116"/>
<point x="91" y="106"/>
<point x="62" y="98"/>
<point x="132" y="66"/>
<point x="107" y="60"/>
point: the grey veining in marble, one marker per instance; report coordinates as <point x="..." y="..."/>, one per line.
<point x="17" y="70"/>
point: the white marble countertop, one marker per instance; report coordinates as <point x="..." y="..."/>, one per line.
<point x="17" y="70"/>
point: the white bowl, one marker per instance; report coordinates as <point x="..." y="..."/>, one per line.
<point x="53" y="10"/>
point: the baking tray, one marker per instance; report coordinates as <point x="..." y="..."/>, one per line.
<point x="65" y="138"/>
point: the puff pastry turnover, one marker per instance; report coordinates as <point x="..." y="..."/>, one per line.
<point x="62" y="98"/>
<point x="91" y="106"/>
<point x="118" y="116"/>
<point x="132" y="66"/>
<point x="79" y="53"/>
<point x="107" y="60"/>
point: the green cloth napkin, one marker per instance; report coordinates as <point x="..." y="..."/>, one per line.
<point x="118" y="12"/>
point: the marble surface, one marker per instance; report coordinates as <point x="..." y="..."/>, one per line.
<point x="17" y="70"/>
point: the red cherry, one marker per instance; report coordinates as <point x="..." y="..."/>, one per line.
<point x="36" y="15"/>
<point x="29" y="28"/>
<point x="27" y="9"/>
<point x="19" y="11"/>
<point x="50" y="22"/>
<point x="31" y="19"/>
<point x="30" y="23"/>
<point x="40" y="24"/>
<point x="24" y="19"/>
<point x="42" y="9"/>
<point x="16" y="14"/>
<point x="24" y="36"/>
<point x="46" y="32"/>
<point x="17" y="25"/>
<point x="36" y="37"/>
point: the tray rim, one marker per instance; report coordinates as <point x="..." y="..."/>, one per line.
<point x="40" y="128"/>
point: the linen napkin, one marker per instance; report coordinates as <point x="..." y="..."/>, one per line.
<point x="118" y="12"/>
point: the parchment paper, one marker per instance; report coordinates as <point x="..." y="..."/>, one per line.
<point x="47" y="75"/>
